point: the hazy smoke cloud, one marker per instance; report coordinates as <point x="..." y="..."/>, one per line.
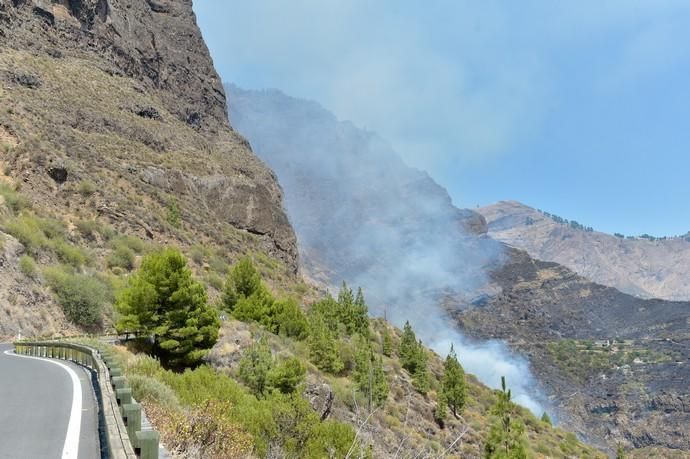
<point x="363" y="216"/>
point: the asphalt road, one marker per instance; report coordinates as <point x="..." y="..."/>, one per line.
<point x="40" y="418"/>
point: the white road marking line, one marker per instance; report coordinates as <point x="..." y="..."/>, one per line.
<point x="71" y="447"/>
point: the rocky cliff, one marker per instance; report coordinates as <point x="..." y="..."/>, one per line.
<point x="112" y="111"/>
<point x="645" y="267"/>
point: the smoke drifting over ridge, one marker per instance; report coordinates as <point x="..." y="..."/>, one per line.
<point x="363" y="216"/>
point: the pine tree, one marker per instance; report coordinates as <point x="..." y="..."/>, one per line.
<point x="453" y="382"/>
<point x="408" y="349"/>
<point x="163" y="301"/>
<point x="323" y="347"/>
<point x="380" y="387"/>
<point x="546" y="418"/>
<point x="255" y="365"/>
<point x="420" y="376"/>
<point x="506" y="437"/>
<point x="360" y="313"/>
<point x="345" y="311"/>
<point x="363" y="368"/>
<point x="243" y="281"/>
<point x="387" y="345"/>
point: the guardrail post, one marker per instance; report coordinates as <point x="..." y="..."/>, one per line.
<point x="131" y="414"/>
<point x="118" y="382"/>
<point x="124" y="396"/>
<point x="115" y="371"/>
<point x="147" y="444"/>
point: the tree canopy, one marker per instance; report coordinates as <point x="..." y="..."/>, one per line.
<point x="164" y="302"/>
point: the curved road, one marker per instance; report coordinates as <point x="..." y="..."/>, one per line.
<point x="39" y="415"/>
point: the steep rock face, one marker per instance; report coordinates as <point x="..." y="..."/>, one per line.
<point x="642" y="267"/>
<point x="123" y="94"/>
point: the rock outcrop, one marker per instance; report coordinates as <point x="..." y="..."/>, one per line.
<point x="123" y="94"/>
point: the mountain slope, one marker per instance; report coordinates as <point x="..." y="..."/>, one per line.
<point x="650" y="268"/>
<point x="361" y="214"/>
<point x="112" y="113"/>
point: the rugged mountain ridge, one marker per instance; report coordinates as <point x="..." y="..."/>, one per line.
<point x="112" y="111"/>
<point x="645" y="267"/>
<point x="349" y="179"/>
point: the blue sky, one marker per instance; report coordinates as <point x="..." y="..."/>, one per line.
<point x="578" y="108"/>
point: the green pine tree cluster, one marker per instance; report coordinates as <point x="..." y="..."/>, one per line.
<point x="247" y="298"/>
<point x="414" y="359"/>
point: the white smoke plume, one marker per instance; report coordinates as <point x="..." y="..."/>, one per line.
<point x="363" y="216"/>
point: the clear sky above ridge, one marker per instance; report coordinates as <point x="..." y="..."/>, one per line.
<point x="578" y="108"/>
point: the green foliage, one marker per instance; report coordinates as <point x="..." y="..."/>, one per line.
<point x="453" y="383"/>
<point x="121" y="257"/>
<point x="27" y="266"/>
<point x="408" y="348"/>
<point x="82" y="297"/>
<point x="323" y="347"/>
<point x="380" y="387"/>
<point x="420" y="376"/>
<point x="255" y="365"/>
<point x="13" y="200"/>
<point x="546" y="418"/>
<point x="368" y="374"/>
<point x="346" y="315"/>
<point x="162" y="299"/>
<point x="87" y="228"/>
<point x="387" y="345"/>
<point x="506" y="438"/>
<point x="70" y="254"/>
<point x="147" y="388"/>
<point x="173" y="214"/>
<point x="441" y="411"/>
<point x="287" y="375"/>
<point x="285" y="421"/>
<point x="243" y="281"/>
<point x="291" y="320"/>
<point x="256" y="307"/>
<point x="86" y="188"/>
<point x="620" y="452"/>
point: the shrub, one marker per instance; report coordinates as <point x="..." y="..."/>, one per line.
<point x="173" y="214"/>
<point x="147" y="388"/>
<point x="291" y="320"/>
<point x="82" y="297"/>
<point x="14" y="201"/>
<point x="27" y="265"/>
<point x="121" y="257"/>
<point x="28" y="232"/>
<point x="286" y="376"/>
<point x="70" y="254"/>
<point x="87" y="228"/>
<point x="86" y="188"/>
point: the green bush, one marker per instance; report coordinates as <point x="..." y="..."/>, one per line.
<point x="27" y="265"/>
<point x="70" y="254"/>
<point x="286" y="376"/>
<point x="121" y="257"/>
<point x="27" y="231"/>
<point x="14" y="201"/>
<point x="87" y="228"/>
<point x="148" y="388"/>
<point x="82" y="297"/>
<point x="86" y="188"/>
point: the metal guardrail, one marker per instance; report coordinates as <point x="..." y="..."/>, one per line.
<point x="119" y="417"/>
